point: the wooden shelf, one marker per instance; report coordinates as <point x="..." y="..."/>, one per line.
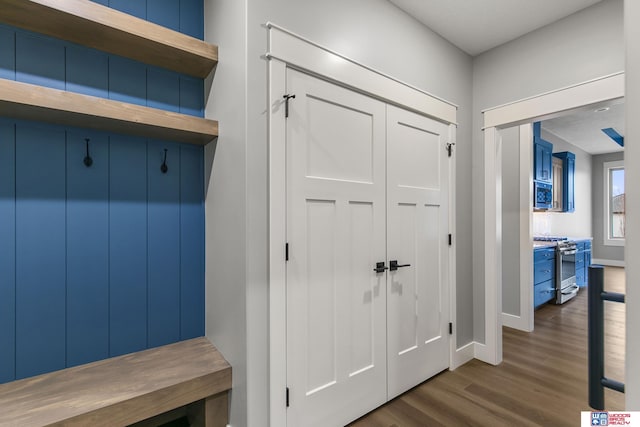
<point x="32" y="102"/>
<point x="99" y="27"/>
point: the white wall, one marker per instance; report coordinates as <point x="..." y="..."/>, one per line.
<point x="225" y="204"/>
<point x="511" y="220"/>
<point x="572" y="224"/>
<point x="632" y="177"/>
<point x="583" y="46"/>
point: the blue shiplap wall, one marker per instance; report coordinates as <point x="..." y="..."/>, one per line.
<point x="109" y="259"/>
<point x="185" y="16"/>
<point x="41" y="60"/>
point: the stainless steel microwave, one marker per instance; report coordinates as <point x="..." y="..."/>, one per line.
<point x="542" y="195"/>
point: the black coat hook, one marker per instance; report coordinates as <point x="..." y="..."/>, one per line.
<point x="88" y="161"/>
<point x="164" y="168"/>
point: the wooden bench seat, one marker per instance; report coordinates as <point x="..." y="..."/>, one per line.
<point x="124" y="390"/>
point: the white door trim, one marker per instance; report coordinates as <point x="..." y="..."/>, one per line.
<point x="303" y="54"/>
<point x="456" y="357"/>
<point x="555" y="102"/>
<point x="526" y="228"/>
<point x="524" y="321"/>
<point x="584" y="95"/>
<point x="277" y="239"/>
<point x="287" y="49"/>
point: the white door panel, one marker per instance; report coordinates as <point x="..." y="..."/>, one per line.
<point x="366" y="183"/>
<point x="417" y="236"/>
<point x="336" y="319"/>
<point x="340" y="141"/>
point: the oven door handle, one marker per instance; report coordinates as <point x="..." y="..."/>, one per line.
<point x="574" y="288"/>
<point x="571" y="252"/>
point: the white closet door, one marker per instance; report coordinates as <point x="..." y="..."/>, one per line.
<point x="417" y="238"/>
<point x="336" y="303"/>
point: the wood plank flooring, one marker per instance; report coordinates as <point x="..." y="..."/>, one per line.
<point x="541" y="382"/>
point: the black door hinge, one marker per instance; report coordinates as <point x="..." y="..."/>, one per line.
<point x="287" y="97"/>
<point x="286" y="252"/>
<point x="287" y="397"/>
<point x="450" y="239"/>
<point x="450" y="328"/>
<point x="450" y="147"/>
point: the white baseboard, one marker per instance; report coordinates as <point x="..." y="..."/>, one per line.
<point x="609" y="262"/>
<point x="473" y="350"/>
<point x="515" y="322"/>
<point x="486" y="354"/>
<point x="480" y="352"/>
<point x="463" y="355"/>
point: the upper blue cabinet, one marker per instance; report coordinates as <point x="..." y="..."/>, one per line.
<point x="542" y="156"/>
<point x="568" y="180"/>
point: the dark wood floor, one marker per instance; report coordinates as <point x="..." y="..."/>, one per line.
<point x="541" y="382"/>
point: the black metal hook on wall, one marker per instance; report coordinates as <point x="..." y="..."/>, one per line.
<point x="88" y="161"/>
<point x="164" y="168"/>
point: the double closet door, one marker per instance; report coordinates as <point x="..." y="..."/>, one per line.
<point x="367" y="229"/>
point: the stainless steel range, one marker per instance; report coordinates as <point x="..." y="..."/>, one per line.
<point x="566" y="287"/>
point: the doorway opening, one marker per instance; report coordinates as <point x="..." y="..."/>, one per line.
<point x="547" y="106"/>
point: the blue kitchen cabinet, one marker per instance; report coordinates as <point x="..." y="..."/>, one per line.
<point x="583" y="261"/>
<point x="542" y="157"/>
<point x="544" y="275"/>
<point x="587" y="264"/>
<point x="568" y="180"/>
<point x="542" y="160"/>
<point x="580" y="270"/>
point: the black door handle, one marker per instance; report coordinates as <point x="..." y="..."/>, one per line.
<point x="380" y="268"/>
<point x="393" y="265"/>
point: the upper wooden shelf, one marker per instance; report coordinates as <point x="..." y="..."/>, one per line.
<point x="99" y="27"/>
<point x="33" y="102"/>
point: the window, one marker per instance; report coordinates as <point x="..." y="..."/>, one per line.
<point x="614" y="203"/>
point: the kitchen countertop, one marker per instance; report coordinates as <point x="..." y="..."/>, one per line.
<point x="540" y="244"/>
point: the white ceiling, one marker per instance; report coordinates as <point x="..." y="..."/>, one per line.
<point x="584" y="129"/>
<point x="476" y="26"/>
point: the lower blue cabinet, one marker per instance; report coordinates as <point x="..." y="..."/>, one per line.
<point x="583" y="261"/>
<point x="543" y="292"/>
<point x="544" y="275"/>
<point x="544" y="271"/>
<point x="587" y="263"/>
